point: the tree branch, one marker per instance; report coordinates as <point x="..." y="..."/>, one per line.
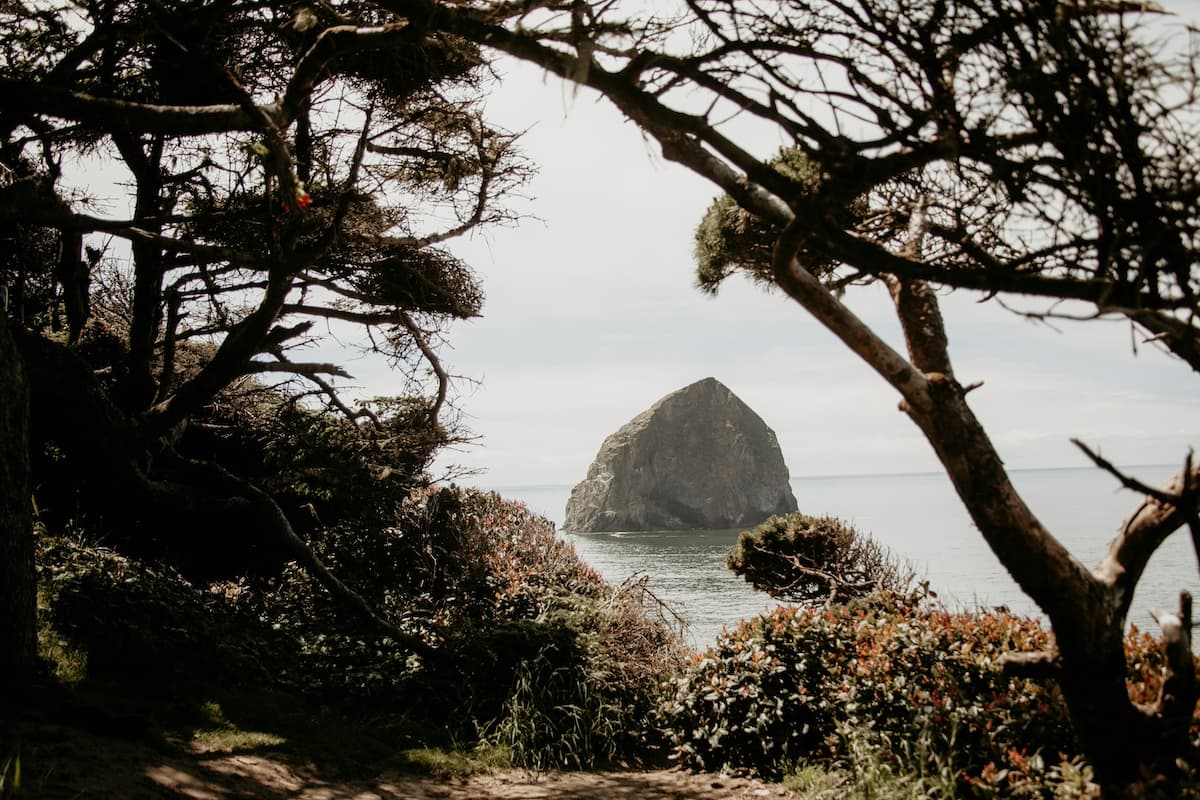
<point x="1176" y="701"/>
<point x="434" y="363"/>
<point x="315" y="61"/>
<point x="1159" y="515"/>
<point x="215" y="475"/>
<point x="23" y="97"/>
<point x="307" y="369"/>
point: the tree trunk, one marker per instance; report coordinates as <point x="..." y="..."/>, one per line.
<point x="18" y="578"/>
<point x="1086" y="609"/>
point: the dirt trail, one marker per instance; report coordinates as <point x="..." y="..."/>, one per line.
<point x="62" y="762"/>
<point x="259" y="777"/>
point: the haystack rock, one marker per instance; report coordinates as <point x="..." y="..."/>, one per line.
<point x="698" y="458"/>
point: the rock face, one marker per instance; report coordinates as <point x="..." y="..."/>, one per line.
<point x="698" y="458"/>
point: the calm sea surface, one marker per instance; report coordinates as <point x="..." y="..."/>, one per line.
<point x="917" y="516"/>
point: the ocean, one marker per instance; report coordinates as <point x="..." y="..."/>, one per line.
<point x="917" y="516"/>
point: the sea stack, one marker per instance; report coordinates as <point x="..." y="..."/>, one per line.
<point x="699" y="458"/>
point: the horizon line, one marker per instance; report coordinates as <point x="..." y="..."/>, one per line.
<point x="851" y="475"/>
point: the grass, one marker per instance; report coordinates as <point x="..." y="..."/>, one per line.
<point x="868" y="779"/>
<point x="455" y="764"/>
<point x="874" y="770"/>
<point x="68" y="664"/>
<point x="10" y="774"/>
<point x="222" y="736"/>
<point x="815" y="782"/>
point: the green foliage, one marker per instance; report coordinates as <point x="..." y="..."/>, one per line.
<point x="730" y="239"/>
<point x="529" y="649"/>
<point x="455" y="764"/>
<point x="814" y="560"/>
<point x="727" y="240"/>
<point x="800" y="683"/>
<point x="116" y="618"/>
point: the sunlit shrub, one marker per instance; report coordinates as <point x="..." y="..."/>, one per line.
<point x="789" y="685"/>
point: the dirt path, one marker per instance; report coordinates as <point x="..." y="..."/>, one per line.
<point x="69" y="762"/>
<point x="259" y="777"/>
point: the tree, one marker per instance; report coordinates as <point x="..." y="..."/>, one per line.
<point x="289" y="170"/>
<point x="814" y="560"/>
<point x="18" y="592"/>
<point x="1041" y="150"/>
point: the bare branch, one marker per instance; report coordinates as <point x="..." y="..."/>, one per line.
<point x="312" y="65"/>
<point x="1159" y="515"/>
<point x="1177" y="697"/>
<point x="308" y="369"/>
<point x="434" y="363"/>
<point x="22" y="97"/>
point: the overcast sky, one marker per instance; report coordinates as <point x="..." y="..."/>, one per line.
<point x="592" y="315"/>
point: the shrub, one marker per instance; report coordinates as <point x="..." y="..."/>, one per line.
<point x="806" y="559"/>
<point x="120" y="619"/>
<point x="523" y="631"/>
<point x="529" y="647"/>
<point x="799" y="684"/>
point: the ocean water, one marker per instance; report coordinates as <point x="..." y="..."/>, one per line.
<point x="918" y="517"/>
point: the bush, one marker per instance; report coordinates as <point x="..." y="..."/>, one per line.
<point x="529" y="648"/>
<point x="800" y="684"/>
<point x="555" y="665"/>
<point x="143" y="625"/>
<point x="534" y="651"/>
<point x="806" y="559"/>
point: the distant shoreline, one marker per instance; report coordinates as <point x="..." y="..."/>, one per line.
<point x="850" y="476"/>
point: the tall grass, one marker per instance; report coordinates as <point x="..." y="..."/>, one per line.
<point x="10" y="774"/>
<point x="555" y="717"/>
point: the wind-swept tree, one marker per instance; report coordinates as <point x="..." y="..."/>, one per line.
<point x="1037" y="150"/>
<point x="257" y="177"/>
<point x="815" y="561"/>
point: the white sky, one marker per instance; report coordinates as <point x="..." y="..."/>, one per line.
<point x="591" y="316"/>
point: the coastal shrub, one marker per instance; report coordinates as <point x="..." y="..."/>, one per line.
<point x="528" y="647"/>
<point x="798" y="683"/>
<point x="521" y="628"/>
<point x="451" y="556"/>
<point x="578" y="686"/>
<point x="119" y="618"/>
<point x="805" y="559"/>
